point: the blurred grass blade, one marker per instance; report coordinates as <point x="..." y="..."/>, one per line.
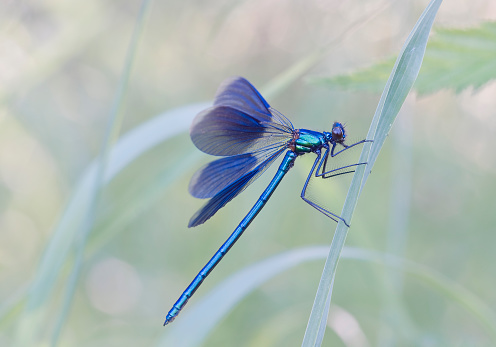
<point x="128" y="148"/>
<point x="146" y="197"/>
<point x="204" y="315"/>
<point x="435" y="280"/>
<point x="111" y="135"/>
<point x="397" y="88"/>
<point x="395" y="310"/>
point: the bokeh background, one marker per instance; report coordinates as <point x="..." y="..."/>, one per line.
<point x="63" y="68"/>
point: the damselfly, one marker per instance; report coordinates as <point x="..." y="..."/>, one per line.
<point x="250" y="135"/>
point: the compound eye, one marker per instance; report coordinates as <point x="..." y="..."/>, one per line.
<point x="337" y="133"/>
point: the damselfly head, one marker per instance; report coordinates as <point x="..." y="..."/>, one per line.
<point x="338" y="134"/>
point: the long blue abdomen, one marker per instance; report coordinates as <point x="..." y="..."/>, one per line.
<point x="286" y="164"/>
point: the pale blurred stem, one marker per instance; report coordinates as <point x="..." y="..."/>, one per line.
<point x="398" y="328"/>
<point x="111" y="135"/>
<point x="398" y="324"/>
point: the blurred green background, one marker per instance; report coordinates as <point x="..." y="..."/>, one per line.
<point x="430" y="198"/>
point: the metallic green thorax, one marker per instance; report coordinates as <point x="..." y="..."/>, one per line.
<point x="308" y="141"/>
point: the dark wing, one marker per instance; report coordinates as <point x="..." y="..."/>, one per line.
<point x="230" y="191"/>
<point x="218" y="174"/>
<point x="240" y="121"/>
<point x="236" y="92"/>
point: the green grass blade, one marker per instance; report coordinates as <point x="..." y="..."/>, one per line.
<point x="205" y="314"/>
<point x="397" y="88"/>
<point x="400" y="82"/>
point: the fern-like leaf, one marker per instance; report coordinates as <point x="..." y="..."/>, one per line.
<point x="455" y="59"/>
